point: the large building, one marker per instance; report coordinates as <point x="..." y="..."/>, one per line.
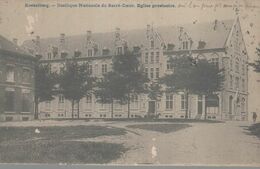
<point x="16" y="82"/>
<point x="221" y="42"/>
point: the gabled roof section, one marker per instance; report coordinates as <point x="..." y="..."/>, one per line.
<point x="8" y="46"/>
<point x="214" y="34"/>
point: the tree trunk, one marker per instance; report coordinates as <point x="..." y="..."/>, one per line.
<point x="72" y="109"/>
<point x="205" y="114"/>
<point x="78" y="108"/>
<point x="128" y="106"/>
<point x="36" y="108"/>
<point x="187" y="105"/>
<point x="112" y="107"/>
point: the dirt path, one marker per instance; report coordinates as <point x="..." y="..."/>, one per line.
<point x="212" y="144"/>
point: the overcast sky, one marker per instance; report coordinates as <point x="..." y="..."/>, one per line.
<point x="16" y="21"/>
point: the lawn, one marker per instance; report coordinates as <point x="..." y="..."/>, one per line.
<point x="55" y="145"/>
<point x="164" y="128"/>
<point x="255" y="129"/>
<point x="175" y="120"/>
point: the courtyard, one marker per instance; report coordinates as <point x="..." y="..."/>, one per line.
<point x="129" y="142"/>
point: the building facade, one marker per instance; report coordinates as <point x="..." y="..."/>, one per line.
<point x="16" y="82"/>
<point x="220" y="42"/>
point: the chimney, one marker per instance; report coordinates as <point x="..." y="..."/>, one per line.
<point x="148" y="31"/>
<point x="215" y="24"/>
<point x="89" y="35"/>
<point x="37" y="45"/>
<point x="15" y="41"/>
<point x="117" y="34"/>
<point x="181" y="29"/>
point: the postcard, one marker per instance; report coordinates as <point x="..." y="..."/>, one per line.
<point x="119" y="82"/>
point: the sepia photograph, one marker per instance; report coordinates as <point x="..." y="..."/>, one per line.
<point x="120" y="82"/>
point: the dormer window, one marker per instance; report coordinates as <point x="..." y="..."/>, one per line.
<point x="105" y="51"/>
<point x="119" y="50"/>
<point x="63" y="54"/>
<point x="49" y="56"/>
<point x="152" y="43"/>
<point x="77" y="53"/>
<point x="90" y="52"/>
<point x="185" y="45"/>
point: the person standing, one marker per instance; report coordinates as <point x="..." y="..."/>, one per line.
<point x="254" y="117"/>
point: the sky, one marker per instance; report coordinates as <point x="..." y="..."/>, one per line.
<point x="23" y="23"/>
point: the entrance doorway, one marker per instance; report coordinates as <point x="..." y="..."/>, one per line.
<point x="230" y="104"/>
<point x="199" y="104"/>
<point x="151" y="109"/>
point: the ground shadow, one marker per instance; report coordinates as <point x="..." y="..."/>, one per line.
<point x="253" y="130"/>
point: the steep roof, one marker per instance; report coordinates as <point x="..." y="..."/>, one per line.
<point x="9" y="46"/>
<point x="214" y="37"/>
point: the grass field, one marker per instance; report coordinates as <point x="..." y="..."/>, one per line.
<point x="54" y="145"/>
<point x="164" y="128"/>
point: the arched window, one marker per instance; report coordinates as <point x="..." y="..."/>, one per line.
<point x="237" y="65"/>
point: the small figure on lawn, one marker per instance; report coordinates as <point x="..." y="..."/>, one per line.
<point x="254" y="116"/>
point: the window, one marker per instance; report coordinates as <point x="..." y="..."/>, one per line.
<point x="88" y="102"/>
<point x="61" y="102"/>
<point x="89" y="69"/>
<point x="243" y="68"/>
<point x="169" y="101"/>
<point x="119" y="50"/>
<point x="26" y="102"/>
<point x="237" y="65"/>
<point x="151" y="73"/>
<point x="134" y="100"/>
<point x="152" y="57"/>
<point x="157" y="73"/>
<point x="237" y="83"/>
<point x="146" y="72"/>
<point x="118" y="105"/>
<point x="243" y="85"/>
<point x="104" y="68"/>
<point x="26" y="76"/>
<point x="215" y="61"/>
<point x="183" y="102"/>
<point x="157" y="59"/>
<point x="231" y="64"/>
<point x="152" y="43"/>
<point x="90" y="52"/>
<point x="88" y="99"/>
<point x="9" y="101"/>
<point x="169" y="65"/>
<point x="61" y="99"/>
<point x="146" y="58"/>
<point x="96" y="71"/>
<point x="47" y="105"/>
<point x="231" y="81"/>
<point x="10" y="74"/>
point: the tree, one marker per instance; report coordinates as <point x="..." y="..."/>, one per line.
<point x="110" y="88"/>
<point x="180" y="79"/>
<point x="206" y="79"/>
<point x="132" y="77"/>
<point x="75" y="82"/>
<point x="45" y="82"/>
<point x="256" y="64"/>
